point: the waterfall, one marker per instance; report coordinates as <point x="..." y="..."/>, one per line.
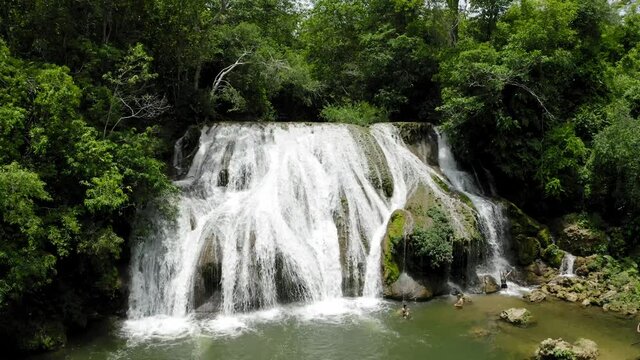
<point x="493" y="220"/>
<point x="566" y="268"/>
<point x="273" y="213"/>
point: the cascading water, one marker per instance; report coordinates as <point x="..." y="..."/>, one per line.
<point x="272" y="213"/>
<point x="566" y="268"/>
<point x="494" y="223"/>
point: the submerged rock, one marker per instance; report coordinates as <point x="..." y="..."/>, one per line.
<point x="558" y="349"/>
<point x="517" y="316"/>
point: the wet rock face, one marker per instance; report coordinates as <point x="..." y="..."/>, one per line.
<point x="206" y="292"/>
<point x="184" y="150"/>
<point x="530" y="238"/>
<point x="421" y="139"/>
<point x="517" y="316"/>
<point x="558" y="349"/>
<point x="406" y="288"/>
<point x="489" y="284"/>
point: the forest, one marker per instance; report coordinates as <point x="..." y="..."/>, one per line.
<point x="544" y="95"/>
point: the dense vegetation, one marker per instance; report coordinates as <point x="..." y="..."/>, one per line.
<point x="544" y="94"/>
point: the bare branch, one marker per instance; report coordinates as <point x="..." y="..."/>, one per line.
<point x="142" y="107"/>
<point x="219" y="78"/>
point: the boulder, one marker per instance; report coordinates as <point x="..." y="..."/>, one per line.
<point x="490" y="284"/>
<point x="529" y="236"/>
<point x="554" y="349"/>
<point x="450" y="229"/>
<point x="517" y="316"/>
<point x="406" y="288"/>
<point x="553" y="256"/>
<point x="581" y="234"/>
<point x="558" y="349"/>
<point x="536" y="296"/>
<point x="586" y="349"/>
<point x="527" y="249"/>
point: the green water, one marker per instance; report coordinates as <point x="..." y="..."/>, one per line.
<point x="436" y="331"/>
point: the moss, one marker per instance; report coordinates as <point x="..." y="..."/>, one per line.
<point x="379" y="174"/>
<point x="582" y="234"/>
<point x="412" y="132"/>
<point x="544" y="237"/>
<point x="553" y="256"/>
<point x="395" y="233"/>
<point x="465" y="199"/>
<point x="527" y="249"/>
<point x="387" y="185"/>
<point x="441" y="184"/>
<point x="521" y="223"/>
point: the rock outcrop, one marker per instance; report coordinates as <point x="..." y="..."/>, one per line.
<point x="581" y="234"/>
<point x="558" y="349"/>
<point x="530" y="239"/>
<point x="439" y="237"/>
<point x="602" y="282"/>
<point x="489" y="284"/>
<point x="536" y="296"/>
<point x="517" y="316"/>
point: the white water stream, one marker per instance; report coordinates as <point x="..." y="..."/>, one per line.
<point x="492" y="215"/>
<point x="280" y="212"/>
<point x="566" y="268"/>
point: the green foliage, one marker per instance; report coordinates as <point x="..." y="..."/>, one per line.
<point x="361" y="113"/>
<point x="615" y="165"/>
<point x="65" y="189"/>
<point x="544" y="94"/>
<point x="435" y="243"/>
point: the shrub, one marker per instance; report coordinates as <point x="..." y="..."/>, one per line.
<point x="360" y="113"/>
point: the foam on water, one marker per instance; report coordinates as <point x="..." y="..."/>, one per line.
<point x="333" y="311"/>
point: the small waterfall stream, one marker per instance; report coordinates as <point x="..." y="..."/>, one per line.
<point x="277" y="213"/>
<point x="566" y="268"/>
<point x="494" y="221"/>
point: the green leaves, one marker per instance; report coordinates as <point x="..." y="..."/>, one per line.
<point x="435" y="243"/>
<point x="21" y="189"/>
<point x="360" y="113"/>
<point x="615" y="165"/>
<point x="66" y="191"/>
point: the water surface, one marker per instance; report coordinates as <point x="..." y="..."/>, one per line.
<point x="359" y="329"/>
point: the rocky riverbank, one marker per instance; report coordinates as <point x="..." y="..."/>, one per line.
<point x="600" y="281"/>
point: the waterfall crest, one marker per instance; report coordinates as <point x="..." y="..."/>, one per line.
<point x="272" y="213"/>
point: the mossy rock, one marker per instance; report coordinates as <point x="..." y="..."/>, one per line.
<point x="517" y="316"/>
<point x="47" y="336"/>
<point x="441" y="184"/>
<point x="379" y="174"/>
<point x="529" y="235"/>
<point x="553" y="256"/>
<point x="544" y="237"/>
<point x="396" y="230"/>
<point x="582" y="234"/>
<point x="421" y="139"/>
<point x="527" y="249"/>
